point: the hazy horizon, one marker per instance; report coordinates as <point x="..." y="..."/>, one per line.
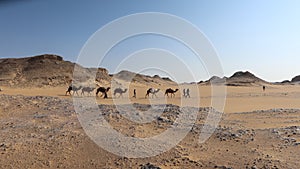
<point x="260" y="37"/>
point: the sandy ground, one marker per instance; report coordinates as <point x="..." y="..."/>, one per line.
<point x="238" y="99"/>
<point x="40" y="129"/>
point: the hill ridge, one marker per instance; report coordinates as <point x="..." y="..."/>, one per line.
<point x="53" y="70"/>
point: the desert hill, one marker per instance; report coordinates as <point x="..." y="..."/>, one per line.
<point x="144" y="79"/>
<point x="216" y="80"/>
<point x="296" y="79"/>
<point x="36" y="71"/>
<point x="243" y="79"/>
<point x="239" y="78"/>
<point x="42" y="70"/>
<point x="52" y="70"/>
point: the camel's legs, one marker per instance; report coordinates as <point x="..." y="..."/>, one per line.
<point x="68" y="91"/>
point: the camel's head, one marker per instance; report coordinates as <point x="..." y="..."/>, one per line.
<point x="176" y="90"/>
<point x="125" y="90"/>
<point x="107" y="89"/>
<point x="157" y="90"/>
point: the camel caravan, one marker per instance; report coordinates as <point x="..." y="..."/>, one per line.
<point x="87" y="91"/>
<point x="119" y="91"/>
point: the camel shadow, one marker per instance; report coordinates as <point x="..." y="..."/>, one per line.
<point x="63" y="95"/>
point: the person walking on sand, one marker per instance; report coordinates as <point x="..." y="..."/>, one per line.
<point x="184" y="93"/>
<point x="187" y="94"/>
<point x="134" y="93"/>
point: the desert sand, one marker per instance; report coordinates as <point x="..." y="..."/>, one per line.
<point x="41" y="129"/>
<point x="258" y="129"/>
<point x="238" y="99"/>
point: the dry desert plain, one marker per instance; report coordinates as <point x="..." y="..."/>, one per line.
<point x="40" y="127"/>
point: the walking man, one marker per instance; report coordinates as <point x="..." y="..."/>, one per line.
<point x="187" y="93"/>
<point x="134" y="93"/>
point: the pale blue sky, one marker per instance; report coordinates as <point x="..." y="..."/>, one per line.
<point x="260" y="36"/>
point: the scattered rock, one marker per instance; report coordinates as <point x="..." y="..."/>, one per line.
<point x="149" y="166"/>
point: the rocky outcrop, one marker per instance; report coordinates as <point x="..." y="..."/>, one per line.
<point x="42" y="70"/>
<point x="296" y="79"/>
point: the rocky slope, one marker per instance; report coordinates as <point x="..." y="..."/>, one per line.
<point x="243" y="79"/>
<point x="296" y="79"/>
<point x="144" y="79"/>
<point x="37" y="71"/>
<point x="51" y="70"/>
<point x="239" y="78"/>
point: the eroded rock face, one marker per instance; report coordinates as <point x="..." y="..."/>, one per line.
<point x="52" y="70"/>
<point x="43" y="70"/>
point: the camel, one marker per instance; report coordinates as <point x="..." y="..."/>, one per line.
<point x="171" y="91"/>
<point x="152" y="91"/>
<point x="120" y="91"/>
<point x="87" y="89"/>
<point x="103" y="90"/>
<point x="74" y="88"/>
